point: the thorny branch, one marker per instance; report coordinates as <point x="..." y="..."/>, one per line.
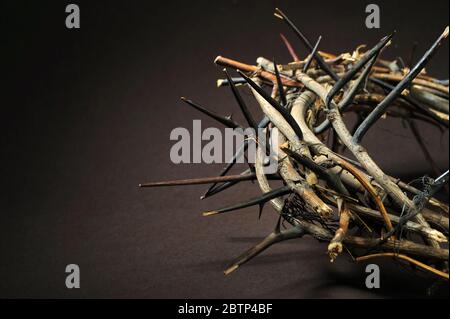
<point x="325" y="194"/>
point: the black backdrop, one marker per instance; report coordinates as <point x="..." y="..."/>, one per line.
<point x="86" y="116"/>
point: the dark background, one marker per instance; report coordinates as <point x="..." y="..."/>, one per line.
<point x="86" y="117"/>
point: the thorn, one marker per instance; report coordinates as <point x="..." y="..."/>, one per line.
<point x="225" y="82"/>
<point x="209" y="192"/>
<point x="325" y="67"/>
<point x="231" y="269"/>
<point x="286" y="115"/>
<point x="221" y="119"/>
<point x="203" y="180"/>
<point x="279" y="84"/>
<point x="278" y="16"/>
<point x="254" y="201"/>
<point x="313" y="53"/>
<point x="248" y="116"/>
<point x="210" y="213"/>
<point x="349" y="96"/>
<point x="412" y="54"/>
<point x="212" y="189"/>
<point x="380" y="109"/>
<point x="445" y="34"/>
<point x="348" y="76"/>
<point x="261" y="207"/>
<point x="290" y="48"/>
<point x="278" y="225"/>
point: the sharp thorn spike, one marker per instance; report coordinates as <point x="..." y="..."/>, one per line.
<point x="261" y="207"/>
<point x="380" y="109"/>
<point x="279" y="85"/>
<point x="210" y="213"/>
<point x="205" y="180"/>
<point x="255" y="201"/>
<point x="248" y="116"/>
<point x="313" y="53"/>
<point x="348" y="76"/>
<point x="221" y="119"/>
<point x="290" y="48"/>
<point x="349" y="96"/>
<point x="231" y="269"/>
<point x="278" y="224"/>
<point x="286" y="115"/>
<point x="325" y="67"/>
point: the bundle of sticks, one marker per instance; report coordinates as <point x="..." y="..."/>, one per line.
<point x="350" y="204"/>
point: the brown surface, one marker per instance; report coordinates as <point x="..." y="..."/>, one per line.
<point x="87" y="115"/>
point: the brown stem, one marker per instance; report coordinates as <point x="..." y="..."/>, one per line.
<point x="273" y="238"/>
<point x="198" y="181"/>
<point x="419" y="264"/>
<point x="335" y="247"/>
<point x="251" y="68"/>
<point x="290" y="48"/>
<point x="349" y="167"/>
